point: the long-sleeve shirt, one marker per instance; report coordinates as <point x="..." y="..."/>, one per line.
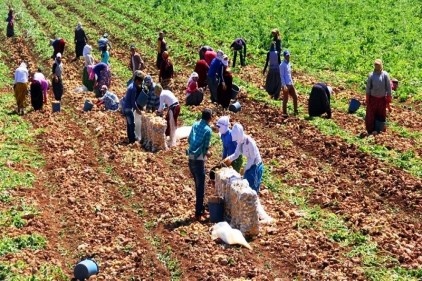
<point x="130" y="96"/>
<point x="250" y="150"/>
<point x="274" y="59"/>
<point x="153" y="101"/>
<point x="167" y="98"/>
<point x="21" y="75"/>
<point x="216" y="69"/>
<point x="286" y="73"/>
<point x="378" y="84"/>
<point x="229" y="146"/>
<point x="199" y="140"/>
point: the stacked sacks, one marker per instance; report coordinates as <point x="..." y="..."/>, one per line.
<point x="240" y="201"/>
<point x="153" y="132"/>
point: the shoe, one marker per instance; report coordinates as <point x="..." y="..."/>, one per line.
<point x="296" y="113"/>
<point x="284" y="115"/>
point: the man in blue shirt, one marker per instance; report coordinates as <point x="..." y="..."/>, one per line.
<point x="129" y="105"/>
<point x="199" y="142"/>
<point x="287" y="83"/>
<point x="215" y="75"/>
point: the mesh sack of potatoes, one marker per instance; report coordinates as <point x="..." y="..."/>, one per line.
<point x="153" y="132"/>
<point x="240" y="201"/>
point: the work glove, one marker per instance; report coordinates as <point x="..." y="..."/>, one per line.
<point x="227" y="161"/>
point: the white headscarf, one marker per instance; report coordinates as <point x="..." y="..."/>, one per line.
<point x="220" y="55"/>
<point x="22" y="65"/>
<point x="225" y="60"/>
<point x="237" y="133"/>
<point x="223" y="124"/>
<point x="87" y="50"/>
<point x="193" y="75"/>
<point x="78" y="26"/>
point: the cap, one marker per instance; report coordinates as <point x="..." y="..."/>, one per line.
<point x="378" y="62"/>
<point x="58" y="55"/>
<point x="105" y="35"/>
<point x="158" y="89"/>
<point x="286" y="53"/>
<point x="139" y="74"/>
<point x="132" y="47"/>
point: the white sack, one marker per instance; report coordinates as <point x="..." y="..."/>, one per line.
<point x="228" y="234"/>
<point x="138" y="123"/>
<point x="183" y="132"/>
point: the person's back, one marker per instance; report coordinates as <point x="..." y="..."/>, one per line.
<point x="209" y="56"/>
<point x="319" y="100"/>
<point x="215" y="68"/>
<point x="111" y="101"/>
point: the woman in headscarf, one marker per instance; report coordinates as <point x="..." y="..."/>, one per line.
<point x="20" y="87"/>
<point x="89" y="61"/>
<point x="229" y="145"/>
<point x="166" y="72"/>
<point x="103" y="73"/>
<point x="194" y="94"/>
<point x="105" y="55"/>
<point x="202" y="68"/>
<point x="36" y="94"/>
<point x="275" y="33"/>
<point x="57" y="73"/>
<point x="80" y="41"/>
<point x="246" y="145"/>
<point x="224" y="94"/>
<point x="273" y="82"/>
<point x="10" y="30"/>
<point x="161" y="48"/>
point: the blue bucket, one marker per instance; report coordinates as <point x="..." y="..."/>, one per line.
<point x="380" y="125"/>
<point x="216" y="208"/>
<point x="354" y="105"/>
<point x="85" y="269"/>
<point x="56" y="106"/>
<point x="88" y="105"/>
<point x="235" y="107"/>
<point x="235" y="91"/>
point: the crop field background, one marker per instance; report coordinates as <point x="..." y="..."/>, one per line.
<point x="346" y="208"/>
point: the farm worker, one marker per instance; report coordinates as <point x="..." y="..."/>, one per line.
<point x="58" y="45"/>
<point x="239" y="45"/>
<point x="129" y="104"/>
<point x="36" y="94"/>
<point x="378" y="96"/>
<point x="104" y="42"/>
<point x="272" y="81"/>
<point x="38" y="75"/>
<point x="194" y="94"/>
<point x="203" y="50"/>
<point x="246" y="145"/>
<point x="153" y="101"/>
<point x="20" y="87"/>
<point x="215" y="75"/>
<point x="202" y="68"/>
<point x="166" y="72"/>
<point x="287" y="83"/>
<point x="229" y="145"/>
<point x="103" y="74"/>
<point x="80" y="41"/>
<point x="275" y="33"/>
<point x="224" y="89"/>
<point x="105" y="55"/>
<point x="89" y="62"/>
<point x="57" y="73"/>
<point x="319" y="100"/>
<point x="168" y="100"/>
<point x="109" y="99"/>
<point x="161" y="48"/>
<point x="135" y="62"/>
<point x="10" y="30"/>
<point x="209" y="56"/>
<point x="199" y="143"/>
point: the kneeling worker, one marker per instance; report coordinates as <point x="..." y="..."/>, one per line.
<point x="319" y="100"/>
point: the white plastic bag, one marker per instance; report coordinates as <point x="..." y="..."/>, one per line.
<point x="228" y="234"/>
<point x="173" y="127"/>
<point x="138" y="123"/>
<point x="183" y="132"/>
<point x="262" y="215"/>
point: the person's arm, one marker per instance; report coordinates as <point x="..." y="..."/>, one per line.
<point x="282" y="73"/>
<point x="244" y="48"/>
<point x="368" y="88"/>
<point x="236" y="153"/>
<point x="159" y="45"/>
<point x="171" y="70"/>
<point x="207" y="140"/>
<point x="266" y="62"/>
<point x="254" y="153"/>
<point x="387" y="84"/>
<point x="161" y="106"/>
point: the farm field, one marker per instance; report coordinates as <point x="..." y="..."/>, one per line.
<point x="346" y="208"/>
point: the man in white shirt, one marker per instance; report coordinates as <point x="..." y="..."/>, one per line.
<point x="246" y="145"/>
<point x="169" y="100"/>
<point x="21" y="87"/>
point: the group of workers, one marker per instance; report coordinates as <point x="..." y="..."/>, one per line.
<point x="212" y="72"/>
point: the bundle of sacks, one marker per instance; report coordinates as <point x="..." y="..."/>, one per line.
<point x="153" y="128"/>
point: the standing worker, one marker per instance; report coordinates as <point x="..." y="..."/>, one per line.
<point x="239" y="45"/>
<point x="276" y="39"/>
<point x="273" y="82"/>
<point x="129" y="104"/>
<point x="57" y="73"/>
<point x="161" y="48"/>
<point x="166" y="73"/>
<point x="10" y="30"/>
<point x="80" y="41"/>
<point x="287" y="83"/>
<point x="378" y="97"/>
<point x="168" y="100"/>
<point x="198" y="151"/>
<point x="20" y="87"/>
<point x="246" y="145"/>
